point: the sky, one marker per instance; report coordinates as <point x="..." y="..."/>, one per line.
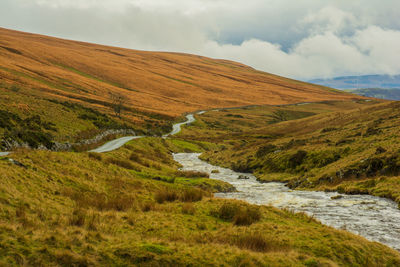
<point x="301" y="39"/>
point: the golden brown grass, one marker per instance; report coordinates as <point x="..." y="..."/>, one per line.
<point x="152" y="82"/>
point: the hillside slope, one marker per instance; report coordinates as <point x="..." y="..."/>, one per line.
<point x="166" y="83"/>
<point x="334" y="146"/>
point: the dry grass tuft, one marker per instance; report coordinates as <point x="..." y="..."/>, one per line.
<point x="255" y="242"/>
<point x="96" y="156"/>
<point x="192" y="195"/>
<point x="78" y="217"/>
<point x="147" y="206"/>
<point x="188" y="208"/>
<point x="101" y="201"/>
<point x="166" y="194"/>
<point x="238" y="214"/>
<point x="192" y="174"/>
<point x="185" y="195"/>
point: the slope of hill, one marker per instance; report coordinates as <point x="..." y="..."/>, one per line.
<point x="43" y="67"/>
<point x="363" y="81"/>
<point x="389" y="94"/>
<point x="335" y="146"/>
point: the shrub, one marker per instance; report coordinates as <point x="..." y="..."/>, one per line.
<point x="227" y="211"/>
<point x="247" y="216"/>
<point x="297" y="159"/>
<point x="192" y="195"/>
<point x="239" y="215"/>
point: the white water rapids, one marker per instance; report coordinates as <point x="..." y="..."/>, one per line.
<point x="377" y="219"/>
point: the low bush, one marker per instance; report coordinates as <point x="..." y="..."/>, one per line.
<point x="252" y="241"/>
<point x="238" y="214"/>
<point x="247" y="216"/>
<point x="166" y="194"/>
<point x="192" y="195"/>
<point x="297" y="159"/>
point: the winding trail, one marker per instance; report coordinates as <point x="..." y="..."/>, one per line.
<point x="117" y="143"/>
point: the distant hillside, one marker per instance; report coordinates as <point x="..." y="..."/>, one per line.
<point x="389" y="94"/>
<point x="366" y="81"/>
<point x="166" y="83"/>
<point x="66" y="90"/>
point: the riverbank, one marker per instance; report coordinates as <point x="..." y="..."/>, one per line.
<point x="132" y="206"/>
<point x="371" y="217"/>
<point x="333" y="146"/>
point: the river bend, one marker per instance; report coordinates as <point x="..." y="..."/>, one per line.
<point x="374" y="218"/>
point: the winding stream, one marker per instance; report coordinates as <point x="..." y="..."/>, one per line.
<point x="377" y="219"/>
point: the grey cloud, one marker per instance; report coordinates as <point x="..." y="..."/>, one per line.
<point x="300" y="39"/>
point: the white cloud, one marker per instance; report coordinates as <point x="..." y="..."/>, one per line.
<point x="300" y="39"/>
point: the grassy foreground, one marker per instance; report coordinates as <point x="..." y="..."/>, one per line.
<point x="133" y="207"/>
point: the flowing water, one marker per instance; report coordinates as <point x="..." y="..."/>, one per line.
<point x="375" y="218"/>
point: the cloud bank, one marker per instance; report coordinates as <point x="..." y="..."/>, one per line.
<point x="299" y="39"/>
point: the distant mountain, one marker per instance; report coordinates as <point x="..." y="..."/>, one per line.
<point x="366" y="81"/>
<point x="390" y="94"/>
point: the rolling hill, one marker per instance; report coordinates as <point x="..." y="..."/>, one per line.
<point x="134" y="206"/>
<point x="153" y="82"/>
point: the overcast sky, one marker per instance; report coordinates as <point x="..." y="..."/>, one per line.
<point x="302" y="39"/>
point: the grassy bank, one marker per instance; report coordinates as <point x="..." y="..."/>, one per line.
<point x="350" y="147"/>
<point x="133" y="206"/>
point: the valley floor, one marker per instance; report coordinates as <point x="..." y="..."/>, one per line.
<point x="134" y="207"/>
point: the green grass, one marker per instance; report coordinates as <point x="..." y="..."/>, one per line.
<point x="349" y="147"/>
<point x="84" y="209"/>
